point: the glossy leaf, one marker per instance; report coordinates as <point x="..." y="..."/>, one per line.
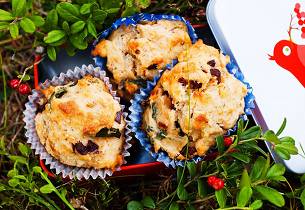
<point x="37" y="169"/>
<point x="220" y="144"/>
<point x="257" y="204"/>
<point x="91" y="28"/>
<point x="174" y="206"/>
<point x="4" y="25"/>
<point x="191" y="166"/>
<point x="134" y="205"/>
<point x="202" y="188"/>
<point x="66" y="27"/>
<point x="46" y="189"/>
<point x="14" y="30"/>
<point x="256" y="171"/>
<point x="245" y="180"/>
<point x="77" y="26"/>
<point x="68" y="11"/>
<point x="85" y="9"/>
<point x="221" y="197"/>
<point x="51" y="53"/>
<point x="182" y="193"/>
<point x="244" y="196"/>
<point x="271" y="195"/>
<point x="37" y="20"/>
<point x="302" y="197"/>
<point x="148" y="202"/>
<point x="51" y="20"/>
<point x="271" y="137"/>
<point x="24" y="149"/>
<point x="253" y="132"/>
<point x="27" y="25"/>
<point x="99" y="15"/>
<point x="276" y="170"/>
<point x="6" y="16"/>
<point x="18" y="7"/>
<point x="240" y="156"/>
<point x="281" y="129"/>
<point x="13" y="182"/>
<point x="54" y="36"/>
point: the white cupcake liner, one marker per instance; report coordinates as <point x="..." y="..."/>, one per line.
<point x="33" y="139"/>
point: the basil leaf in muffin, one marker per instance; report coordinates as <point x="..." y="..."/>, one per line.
<point x="112" y="132"/>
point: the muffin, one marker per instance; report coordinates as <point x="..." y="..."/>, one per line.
<point x="135" y="53"/>
<point x="193" y="103"/>
<point x="80" y="124"/>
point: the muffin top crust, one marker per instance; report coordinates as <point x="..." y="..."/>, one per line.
<point x="136" y="53"/>
<point x="80" y="124"/>
<point x="193" y="103"/>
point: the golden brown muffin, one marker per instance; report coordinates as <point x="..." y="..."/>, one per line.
<point x="81" y="124"/>
<point x="136" y="53"/>
<point x="194" y="102"/>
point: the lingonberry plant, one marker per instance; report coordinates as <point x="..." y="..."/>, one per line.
<point x="237" y="177"/>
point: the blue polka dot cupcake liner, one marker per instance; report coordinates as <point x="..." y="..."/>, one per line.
<point x="134" y="20"/>
<point x="136" y="112"/>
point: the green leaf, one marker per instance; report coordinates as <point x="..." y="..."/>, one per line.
<point x="22" y="177"/>
<point x="271" y="137"/>
<point x="257" y="204"/>
<point x="13" y="182"/>
<point x="240" y="127"/>
<point x="256" y="171"/>
<point x="220" y="144"/>
<point x="134" y="205"/>
<point x="24" y="149"/>
<point x="14" y="30"/>
<point x="27" y="25"/>
<point x="282" y="153"/>
<point x="2" y="187"/>
<point x="46" y="189"/>
<point x="221" y="197"/>
<point x="302" y="179"/>
<point x="4" y="25"/>
<point x="148" y="202"/>
<point x="287" y="139"/>
<point x="265" y="168"/>
<point x="276" y="170"/>
<point x="99" y="15"/>
<point x="190" y="207"/>
<point x="85" y="9"/>
<point x="68" y="11"/>
<point x="290" y="148"/>
<point x="253" y="132"/>
<point x="174" y="206"/>
<point x="51" y="53"/>
<point x="202" y="188"/>
<point x="278" y="178"/>
<point x="79" y="40"/>
<point x="54" y="36"/>
<point x="282" y="127"/>
<point x="271" y="195"/>
<point x="244" y="196"/>
<point x="5" y="16"/>
<point x="37" y="169"/>
<point x="77" y="26"/>
<point x="245" y="180"/>
<point x="191" y="166"/>
<point x="12" y="173"/>
<point x="26" y="77"/>
<point x="240" y="156"/>
<point x="302" y="197"/>
<point x="113" y="10"/>
<point x="37" y="20"/>
<point x="18" y="7"/>
<point x="51" y="20"/>
<point x="66" y="27"/>
<point x="70" y="49"/>
<point x="18" y="159"/>
<point x="91" y="28"/>
<point x="182" y="193"/>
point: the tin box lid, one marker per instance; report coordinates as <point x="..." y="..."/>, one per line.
<point x="248" y="31"/>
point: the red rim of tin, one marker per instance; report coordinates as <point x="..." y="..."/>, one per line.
<point x="125" y="169"/>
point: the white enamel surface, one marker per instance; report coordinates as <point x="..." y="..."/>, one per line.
<point x="249" y="29"/>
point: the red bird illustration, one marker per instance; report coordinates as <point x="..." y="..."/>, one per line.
<point x="291" y="57"/>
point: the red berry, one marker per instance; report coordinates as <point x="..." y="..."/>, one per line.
<point x="216" y="182"/>
<point x="24" y="89"/>
<point x="300" y="22"/>
<point x="219" y="184"/>
<point x="227" y="141"/>
<point x="303" y="29"/>
<point x="14" y="83"/>
<point x="303" y="35"/>
<point x="211" y="180"/>
<point x="297" y="6"/>
<point x="296" y="10"/>
<point x="299" y="15"/>
<point x="302" y="14"/>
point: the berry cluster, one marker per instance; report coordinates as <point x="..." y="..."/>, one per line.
<point x="227" y="141"/>
<point x="301" y="18"/>
<point x="23" y="88"/>
<point x="215" y="182"/>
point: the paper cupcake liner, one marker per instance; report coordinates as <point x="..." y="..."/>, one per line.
<point x="33" y="139"/>
<point x="136" y="110"/>
<point x="133" y="20"/>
